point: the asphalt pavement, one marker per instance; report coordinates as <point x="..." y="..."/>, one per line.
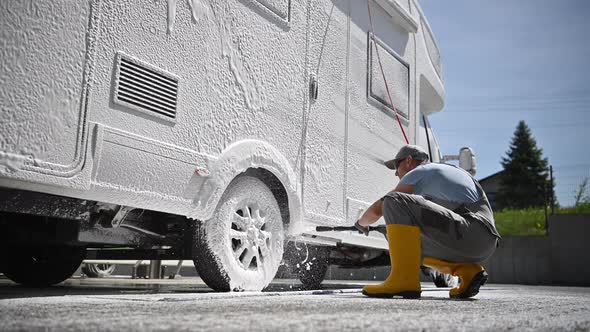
<point x="186" y="304"/>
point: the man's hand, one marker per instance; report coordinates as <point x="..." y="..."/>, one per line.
<point x="361" y="228"/>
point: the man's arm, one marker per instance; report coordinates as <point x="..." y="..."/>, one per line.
<point x="375" y="211"/>
<point x="404" y="188"/>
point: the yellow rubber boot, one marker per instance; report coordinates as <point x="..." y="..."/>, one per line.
<point x="472" y="276"/>
<point x="404" y="254"/>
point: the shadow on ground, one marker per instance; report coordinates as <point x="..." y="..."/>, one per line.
<point x="122" y="285"/>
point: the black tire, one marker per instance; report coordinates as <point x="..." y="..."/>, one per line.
<point x="310" y="263"/>
<point x="241" y="247"/>
<point x="98" y="270"/>
<point x="445" y="280"/>
<point x="42" y="266"/>
<point x="440" y="279"/>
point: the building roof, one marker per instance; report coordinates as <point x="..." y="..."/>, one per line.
<point x="491" y="177"/>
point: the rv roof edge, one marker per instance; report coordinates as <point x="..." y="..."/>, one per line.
<point x="399" y="14"/>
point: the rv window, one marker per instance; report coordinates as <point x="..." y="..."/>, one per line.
<point x="397" y="73"/>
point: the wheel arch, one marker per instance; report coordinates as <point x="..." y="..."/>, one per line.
<point x="254" y="158"/>
<point x="276" y="187"/>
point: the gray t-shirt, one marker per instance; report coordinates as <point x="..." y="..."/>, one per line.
<point x="442" y="182"/>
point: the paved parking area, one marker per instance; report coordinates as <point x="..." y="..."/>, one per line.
<point x="187" y="304"/>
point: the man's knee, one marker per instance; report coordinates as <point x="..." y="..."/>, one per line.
<point x="396" y="200"/>
<point x="396" y="209"/>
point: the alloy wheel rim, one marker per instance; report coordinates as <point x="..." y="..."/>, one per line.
<point x="250" y="237"/>
<point x="105" y="268"/>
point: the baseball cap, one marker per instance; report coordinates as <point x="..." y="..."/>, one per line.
<point x="408" y="150"/>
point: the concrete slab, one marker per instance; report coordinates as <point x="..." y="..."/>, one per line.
<point x="187" y="304"/>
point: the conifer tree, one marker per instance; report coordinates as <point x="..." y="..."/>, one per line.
<point x="525" y="176"/>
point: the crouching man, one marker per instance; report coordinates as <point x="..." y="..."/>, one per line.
<point x="438" y="216"/>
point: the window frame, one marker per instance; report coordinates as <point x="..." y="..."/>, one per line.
<point x="374" y="98"/>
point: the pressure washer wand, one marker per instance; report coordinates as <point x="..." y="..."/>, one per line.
<point x="380" y="229"/>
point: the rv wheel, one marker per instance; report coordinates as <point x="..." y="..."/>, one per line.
<point x="241" y="247"/>
<point x="310" y="263"/>
<point x="43" y="265"/>
<point x="440" y="279"/>
<point x="98" y="270"/>
<point x="445" y="280"/>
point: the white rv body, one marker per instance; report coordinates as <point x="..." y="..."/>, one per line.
<point x="160" y="105"/>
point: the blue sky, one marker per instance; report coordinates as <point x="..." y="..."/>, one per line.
<point x="505" y="61"/>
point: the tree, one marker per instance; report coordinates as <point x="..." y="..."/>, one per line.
<point x="525" y="177"/>
<point x="582" y="195"/>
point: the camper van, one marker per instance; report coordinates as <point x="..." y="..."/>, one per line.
<point x="223" y="132"/>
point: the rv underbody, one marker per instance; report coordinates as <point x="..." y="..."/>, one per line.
<point x="50" y="228"/>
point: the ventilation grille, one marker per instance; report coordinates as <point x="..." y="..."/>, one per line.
<point x="146" y="88"/>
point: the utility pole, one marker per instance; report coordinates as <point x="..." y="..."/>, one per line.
<point x="552" y="192"/>
<point x="545" y="207"/>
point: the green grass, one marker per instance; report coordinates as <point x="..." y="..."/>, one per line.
<point x="530" y="221"/>
<point x="520" y="222"/>
<point x="580" y="208"/>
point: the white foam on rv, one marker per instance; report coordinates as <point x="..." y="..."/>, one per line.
<point x="161" y="105"/>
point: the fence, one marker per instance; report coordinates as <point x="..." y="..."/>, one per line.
<point x="561" y="258"/>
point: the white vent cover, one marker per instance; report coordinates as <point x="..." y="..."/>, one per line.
<point x="146" y="88"/>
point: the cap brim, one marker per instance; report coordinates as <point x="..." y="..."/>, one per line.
<point x="390" y="164"/>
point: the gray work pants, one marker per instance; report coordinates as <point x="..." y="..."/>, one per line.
<point x="445" y="234"/>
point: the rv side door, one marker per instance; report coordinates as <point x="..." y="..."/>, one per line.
<point x="323" y="183"/>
